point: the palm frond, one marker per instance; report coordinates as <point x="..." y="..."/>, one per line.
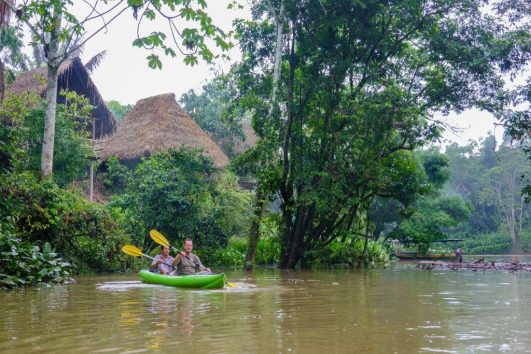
<point x="95" y="61"/>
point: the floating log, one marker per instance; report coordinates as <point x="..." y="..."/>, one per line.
<point x="475" y="266"/>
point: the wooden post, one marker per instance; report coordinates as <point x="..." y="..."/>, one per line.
<point x="91" y="172"/>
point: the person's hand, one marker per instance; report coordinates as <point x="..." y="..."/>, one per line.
<point x="182" y="253"/>
<point x="208" y="270"/>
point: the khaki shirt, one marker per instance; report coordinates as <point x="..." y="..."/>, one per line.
<point x="186" y="266"/>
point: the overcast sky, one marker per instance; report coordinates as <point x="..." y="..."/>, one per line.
<point x="125" y="76"/>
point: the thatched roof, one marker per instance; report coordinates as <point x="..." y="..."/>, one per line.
<point x="250" y="138"/>
<point x="74" y="77"/>
<point x="157" y="124"/>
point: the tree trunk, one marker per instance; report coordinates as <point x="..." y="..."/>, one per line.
<point x="515" y="232"/>
<point x="49" y="123"/>
<point x="2" y="81"/>
<point x="279" y="21"/>
<point x="259" y="202"/>
<point x="287" y="239"/>
<point x="54" y="60"/>
<point x="254" y="237"/>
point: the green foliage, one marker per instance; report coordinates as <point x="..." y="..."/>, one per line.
<point x="72" y="149"/>
<point x="207" y="110"/>
<point x="412" y="176"/>
<point x="435" y="166"/>
<point x="469" y="179"/>
<point x="23" y="263"/>
<point x="492" y="181"/>
<point x="190" y="40"/>
<point x="119" y="110"/>
<point x="116" y="176"/>
<point x="83" y="232"/>
<point x="11" y="54"/>
<point x="350" y="253"/>
<point x="179" y="193"/>
<point x="13" y="112"/>
<point x="22" y="126"/>
<point x="234" y="205"/>
<point x="494" y="243"/>
<point x="358" y="85"/>
<point x="233" y="254"/>
<point x="433" y="219"/>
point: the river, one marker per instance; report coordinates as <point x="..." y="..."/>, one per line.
<point x="396" y="310"/>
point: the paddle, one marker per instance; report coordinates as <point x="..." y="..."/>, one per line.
<point x="163" y="241"/>
<point x="137" y="252"/>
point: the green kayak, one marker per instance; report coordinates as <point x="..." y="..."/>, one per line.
<point x="209" y="281"/>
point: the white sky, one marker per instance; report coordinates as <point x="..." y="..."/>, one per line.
<point x="125" y="76"/>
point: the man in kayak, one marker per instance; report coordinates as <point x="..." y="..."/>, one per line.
<point x="158" y="265"/>
<point x="188" y="263"/>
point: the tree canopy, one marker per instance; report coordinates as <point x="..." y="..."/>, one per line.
<point x="359" y="84"/>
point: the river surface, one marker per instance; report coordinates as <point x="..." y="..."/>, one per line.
<point x="396" y="310"/>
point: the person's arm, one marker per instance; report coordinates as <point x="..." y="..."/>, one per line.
<point x="154" y="265"/>
<point x="177" y="259"/>
<point x="200" y="265"/>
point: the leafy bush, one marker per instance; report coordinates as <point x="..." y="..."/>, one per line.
<point x="349" y="253"/>
<point x="116" y="176"/>
<point x="179" y="193"/>
<point x="267" y="252"/>
<point x="22" y="126"/>
<point x="83" y="232"/>
<point x="494" y="243"/>
<point x="23" y="263"/>
<point x="13" y="111"/>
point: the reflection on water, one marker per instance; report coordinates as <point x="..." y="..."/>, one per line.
<point x="400" y="310"/>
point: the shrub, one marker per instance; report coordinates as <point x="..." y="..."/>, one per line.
<point x="83" y="232"/>
<point x="23" y="263"/>
<point x="116" y="176"/>
<point x="179" y="193"/>
<point x="267" y="252"/>
<point x="494" y="243"/>
<point x="349" y="253"/>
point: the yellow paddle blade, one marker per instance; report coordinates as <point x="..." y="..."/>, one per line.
<point x="132" y="251"/>
<point x="159" y="238"/>
<point x="231" y="285"/>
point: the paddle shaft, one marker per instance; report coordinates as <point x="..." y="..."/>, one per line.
<point x="169" y="265"/>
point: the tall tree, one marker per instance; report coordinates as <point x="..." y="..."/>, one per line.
<point x="359" y="83"/>
<point x="468" y="172"/>
<point x="506" y="184"/>
<point x="277" y="11"/>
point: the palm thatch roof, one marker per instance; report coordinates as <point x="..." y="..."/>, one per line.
<point x="74" y="77"/>
<point x="250" y="138"/>
<point x="156" y="124"/>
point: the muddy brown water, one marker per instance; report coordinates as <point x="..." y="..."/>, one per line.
<point x="397" y="310"/>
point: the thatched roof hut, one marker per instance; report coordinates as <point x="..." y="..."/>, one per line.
<point x="156" y="124"/>
<point x="74" y="77"/>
